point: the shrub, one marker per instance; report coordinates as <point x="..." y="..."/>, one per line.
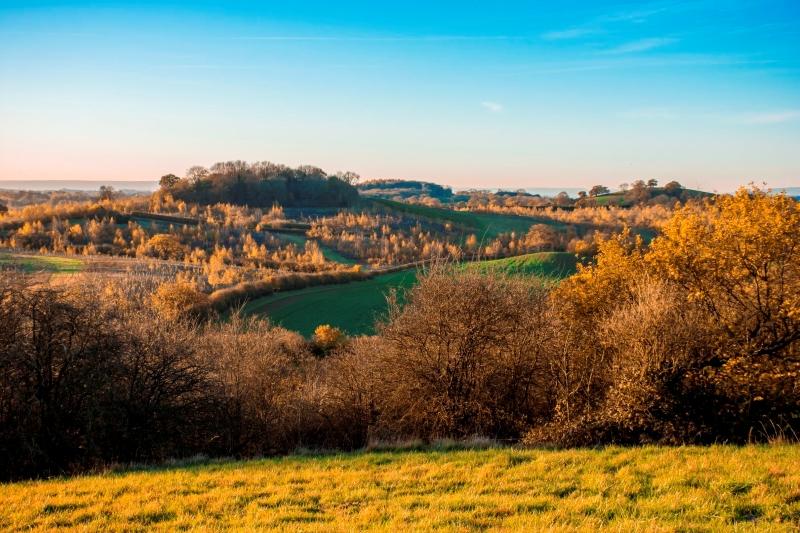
<point x="464" y="357"/>
<point x="180" y="299"/>
<point x="327" y="337"/>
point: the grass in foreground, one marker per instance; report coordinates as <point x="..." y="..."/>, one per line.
<point x="623" y="489"/>
<point x="42" y="263"/>
<point x="352" y="307"/>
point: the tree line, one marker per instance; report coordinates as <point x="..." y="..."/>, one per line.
<point x="262" y="184"/>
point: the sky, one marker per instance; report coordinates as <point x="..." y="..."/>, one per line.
<point x="469" y="94"/>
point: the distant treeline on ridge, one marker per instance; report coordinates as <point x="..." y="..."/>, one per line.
<point x="262" y="184"/>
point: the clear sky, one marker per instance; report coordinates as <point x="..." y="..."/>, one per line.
<point x="490" y="94"/>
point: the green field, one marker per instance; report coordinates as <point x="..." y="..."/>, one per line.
<point x="483" y="225"/>
<point x="548" y="265"/>
<point x="353" y="306"/>
<point x="42" y="263"/>
<point x="718" y="488"/>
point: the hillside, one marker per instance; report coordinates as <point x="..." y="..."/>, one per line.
<point x="484" y="225"/>
<point x="549" y="265"/>
<point x="353" y="307"/>
<point x="621" y="489"/>
<point x="619" y="197"/>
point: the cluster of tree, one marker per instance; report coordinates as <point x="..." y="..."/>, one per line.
<point x="262" y="184"/>
<point x="694" y="339"/>
<point x="642" y="192"/>
<point x="638" y="216"/>
<point x="637" y="194"/>
<point x="581" y="240"/>
<point x="15" y="199"/>
<point x="381" y="239"/>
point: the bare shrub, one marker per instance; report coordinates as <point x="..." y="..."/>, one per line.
<point x="464" y="356"/>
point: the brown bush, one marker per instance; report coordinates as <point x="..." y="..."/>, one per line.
<point x="465" y="356"/>
<point x="83" y="382"/>
<point x="257" y="372"/>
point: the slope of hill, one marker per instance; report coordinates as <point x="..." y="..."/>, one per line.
<point x="353" y="307"/>
<point x="549" y="265"/>
<point x="621" y="489"/>
<point x="483" y="225"/>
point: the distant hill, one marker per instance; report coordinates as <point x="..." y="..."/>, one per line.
<point x="622" y="198"/>
<point x="77" y="185"/>
<point x="790" y="191"/>
<point x="404" y="189"/>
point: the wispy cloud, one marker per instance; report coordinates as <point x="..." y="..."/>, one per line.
<point x="650" y="113"/>
<point x="494" y="107"/>
<point x="769" y="117"/>
<point x="638" y="15"/>
<point x="571" y="33"/>
<point x="641" y="45"/>
<point x="379" y="38"/>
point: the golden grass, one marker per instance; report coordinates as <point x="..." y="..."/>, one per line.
<point x="621" y="489"/>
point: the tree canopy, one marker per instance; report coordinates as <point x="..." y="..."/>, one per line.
<point x="263" y="184"/>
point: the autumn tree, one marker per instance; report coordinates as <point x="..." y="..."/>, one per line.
<point x="597" y="190"/>
<point x="179" y="299"/>
<point x="168" y="181"/>
<point x="327" y="337"/>
<point x="165" y="246"/>
<point x="739" y="257"/>
<point x="107" y="192"/>
<point x="673" y="187"/>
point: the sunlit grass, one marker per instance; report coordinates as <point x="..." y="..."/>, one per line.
<point x="42" y="263"/>
<point x="548" y="265"/>
<point x="623" y="489"/>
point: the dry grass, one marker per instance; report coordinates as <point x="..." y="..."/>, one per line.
<point x="621" y="489"/>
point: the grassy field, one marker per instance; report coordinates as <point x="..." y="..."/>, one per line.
<point x="549" y="265"/>
<point x="620" y="489"/>
<point x="353" y="307"/>
<point x="42" y="263"/>
<point x="484" y="225"/>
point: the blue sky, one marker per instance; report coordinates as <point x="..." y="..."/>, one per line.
<point x="500" y="94"/>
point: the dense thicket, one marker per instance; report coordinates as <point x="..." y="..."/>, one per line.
<point x="694" y="339"/>
<point x="262" y="184"/>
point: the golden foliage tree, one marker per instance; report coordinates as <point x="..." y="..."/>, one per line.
<point x="179" y="299"/>
<point x="328" y="337"/>
<point x="739" y="258"/>
<point x="165" y="246"/>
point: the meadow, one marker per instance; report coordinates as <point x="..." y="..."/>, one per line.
<point x="353" y="307"/>
<point x="484" y="225"/>
<point x="546" y="265"/>
<point x="614" y="488"/>
<point x="41" y="263"/>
